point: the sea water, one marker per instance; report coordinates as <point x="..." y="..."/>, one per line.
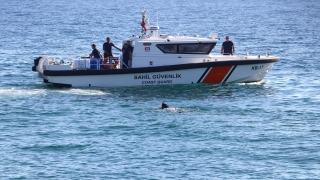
<point x="264" y="130"/>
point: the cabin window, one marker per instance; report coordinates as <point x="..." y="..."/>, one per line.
<point x="189" y="48"/>
<point x="168" y="48"/>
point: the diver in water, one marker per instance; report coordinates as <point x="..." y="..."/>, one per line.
<point x="164" y="105"/>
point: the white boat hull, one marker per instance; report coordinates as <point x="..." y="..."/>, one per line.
<point x="209" y="73"/>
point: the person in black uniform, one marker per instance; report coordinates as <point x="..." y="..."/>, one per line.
<point x="131" y="52"/>
<point x="227" y="47"/>
<point x="95" y="53"/>
<point x="107" y="48"/>
<point x="126" y="53"/>
<point x="130" y="47"/>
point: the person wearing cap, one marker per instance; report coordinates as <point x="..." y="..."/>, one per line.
<point x="227" y="47"/>
<point x="107" y="48"/>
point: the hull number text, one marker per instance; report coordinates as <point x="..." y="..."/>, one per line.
<point x="257" y="67"/>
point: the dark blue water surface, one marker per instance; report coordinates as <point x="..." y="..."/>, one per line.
<point x="266" y="130"/>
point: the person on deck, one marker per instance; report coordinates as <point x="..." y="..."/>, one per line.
<point x="95" y="53"/>
<point x="130" y="47"/>
<point x="126" y="54"/>
<point x="107" y="48"/>
<point x="227" y="47"/>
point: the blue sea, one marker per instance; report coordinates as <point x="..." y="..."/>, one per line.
<point x="264" y="130"/>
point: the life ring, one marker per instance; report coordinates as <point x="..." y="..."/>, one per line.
<point x="110" y="66"/>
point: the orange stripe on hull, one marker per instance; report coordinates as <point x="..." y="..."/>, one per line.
<point x="217" y="74"/>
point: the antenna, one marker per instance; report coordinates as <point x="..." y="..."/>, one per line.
<point x="157" y="19"/>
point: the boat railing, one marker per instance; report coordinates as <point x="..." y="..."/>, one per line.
<point x="95" y="63"/>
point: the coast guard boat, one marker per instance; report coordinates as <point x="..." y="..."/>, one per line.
<point x="157" y="59"/>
